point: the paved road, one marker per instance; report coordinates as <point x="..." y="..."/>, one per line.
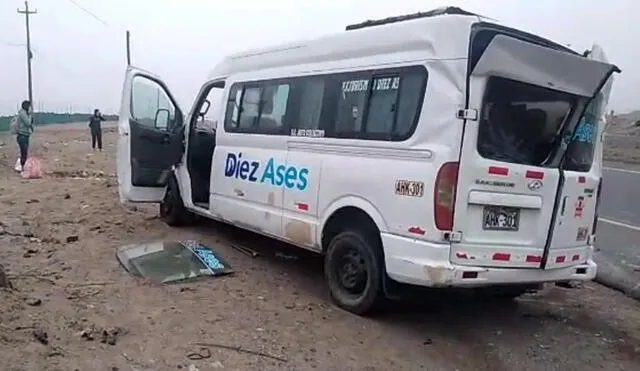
<point x="621" y="195"/>
<point x="619" y="225"/>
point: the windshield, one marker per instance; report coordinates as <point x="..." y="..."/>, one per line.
<point x="522" y="123"/>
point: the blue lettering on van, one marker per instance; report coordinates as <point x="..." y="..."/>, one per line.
<point x="278" y="175"/>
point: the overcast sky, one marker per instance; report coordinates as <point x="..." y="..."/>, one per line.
<point x="79" y="60"/>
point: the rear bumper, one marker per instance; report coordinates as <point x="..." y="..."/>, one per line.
<point x="427" y="264"/>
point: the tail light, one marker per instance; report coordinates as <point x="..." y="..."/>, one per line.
<point x="444" y="195"/>
<point x="595" y="219"/>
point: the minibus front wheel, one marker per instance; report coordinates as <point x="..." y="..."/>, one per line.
<point x="172" y="209"/>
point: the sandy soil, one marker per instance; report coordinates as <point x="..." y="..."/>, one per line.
<point x="622" y="148"/>
<point x="58" y="236"/>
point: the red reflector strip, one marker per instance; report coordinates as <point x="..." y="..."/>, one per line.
<point x="417" y="230"/>
<point x="302" y="206"/>
<point x="534" y="259"/>
<point x="575" y="257"/>
<point x="495" y="170"/>
<point x="502" y="257"/>
<point x="534" y="174"/>
<point x="582" y="179"/>
<point x="560" y="259"/>
<point x="460" y="255"/>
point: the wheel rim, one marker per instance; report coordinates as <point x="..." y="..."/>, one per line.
<point x="351" y="270"/>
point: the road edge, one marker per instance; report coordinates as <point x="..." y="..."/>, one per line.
<point x="616" y="278"/>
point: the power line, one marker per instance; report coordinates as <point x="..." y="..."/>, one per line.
<point x="90" y="13"/>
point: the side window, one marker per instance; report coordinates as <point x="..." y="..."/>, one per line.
<point x="312" y="92"/>
<point x="351" y="105"/>
<point x="383" y="105"/>
<point x="249" y="108"/>
<point x="262" y="108"/>
<point x="273" y="107"/>
<point x="209" y="110"/>
<point x="232" y="115"/>
<point x="366" y="104"/>
<point x="150" y="104"/>
<point x="410" y="98"/>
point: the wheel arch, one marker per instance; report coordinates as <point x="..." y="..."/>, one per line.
<point x="348" y="208"/>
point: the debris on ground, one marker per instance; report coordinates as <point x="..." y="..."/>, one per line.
<point x="204" y="353"/>
<point x="239" y="349"/>
<point x="107" y="335"/>
<point x="29" y="252"/>
<point x="110" y="336"/>
<point x="165" y="261"/>
<point x="4" y="280"/>
<point x="71" y="239"/>
<point x="34" y="302"/>
<point x="286" y="257"/>
<point x="245" y="250"/>
<point x="41" y="336"/>
<point x="569" y="284"/>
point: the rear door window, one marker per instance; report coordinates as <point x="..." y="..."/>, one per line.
<point x="522" y="123"/>
<point x="580" y="151"/>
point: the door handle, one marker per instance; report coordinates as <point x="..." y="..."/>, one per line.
<point x="564" y="205"/>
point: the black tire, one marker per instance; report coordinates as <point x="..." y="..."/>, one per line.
<point x="354" y="269"/>
<point x="172" y="209"/>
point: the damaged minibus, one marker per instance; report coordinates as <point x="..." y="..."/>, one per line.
<point x="437" y="149"/>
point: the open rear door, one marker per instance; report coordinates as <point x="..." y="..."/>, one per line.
<point x="574" y="224"/>
<point x="150" y="137"/>
<point x="525" y="96"/>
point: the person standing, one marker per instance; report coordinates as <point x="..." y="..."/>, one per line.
<point x="95" y="124"/>
<point x="24" y="129"/>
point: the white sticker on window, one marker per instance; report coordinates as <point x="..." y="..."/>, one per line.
<point x="388" y="83"/>
<point x="311" y="133"/>
<point x="354" y="86"/>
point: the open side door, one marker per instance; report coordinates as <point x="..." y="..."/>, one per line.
<point x="150" y="137"/>
<point x="524" y="95"/>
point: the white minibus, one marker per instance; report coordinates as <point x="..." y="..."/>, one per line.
<point x="436" y="149"/>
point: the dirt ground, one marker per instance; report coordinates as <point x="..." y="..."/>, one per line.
<point x="622" y="148"/>
<point x="73" y="307"/>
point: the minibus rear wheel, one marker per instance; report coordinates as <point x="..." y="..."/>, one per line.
<point x="354" y="271"/>
<point x="172" y="209"/>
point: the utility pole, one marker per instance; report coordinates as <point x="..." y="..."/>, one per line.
<point x="27" y="13"/>
<point x="128" y="48"/>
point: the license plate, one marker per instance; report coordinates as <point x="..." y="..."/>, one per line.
<point x="500" y="218"/>
<point x="409" y="188"/>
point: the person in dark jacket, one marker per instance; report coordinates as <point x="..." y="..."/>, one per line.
<point x="95" y="124"/>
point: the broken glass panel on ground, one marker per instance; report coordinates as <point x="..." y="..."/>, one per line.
<point x="172" y="261"/>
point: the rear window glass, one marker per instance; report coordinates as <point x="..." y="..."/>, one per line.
<point x="522" y="123"/>
<point x="580" y="152"/>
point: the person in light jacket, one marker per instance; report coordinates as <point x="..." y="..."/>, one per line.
<point x="24" y="130"/>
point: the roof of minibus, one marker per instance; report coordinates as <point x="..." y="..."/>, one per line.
<point x="439" y="36"/>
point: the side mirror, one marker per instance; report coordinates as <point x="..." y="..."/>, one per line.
<point x="161" y="121"/>
<point x="205" y="107"/>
